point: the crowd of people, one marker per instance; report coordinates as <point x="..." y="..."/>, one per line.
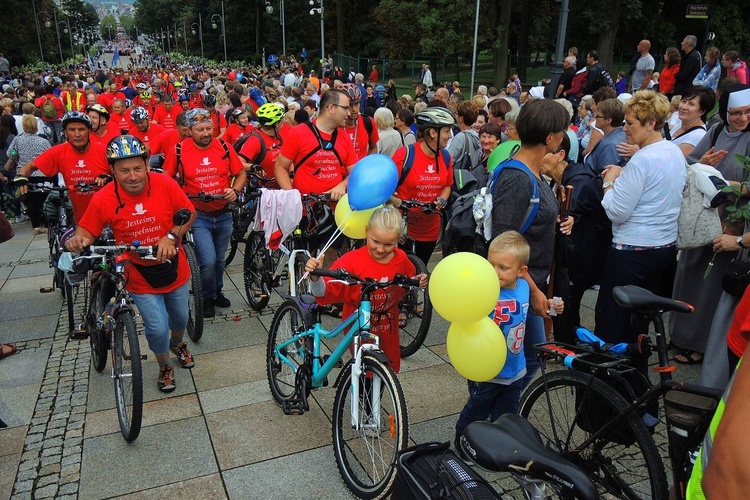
<point x="622" y="143"/>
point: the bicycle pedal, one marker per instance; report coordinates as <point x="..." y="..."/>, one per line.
<point x="78" y="335"/>
<point x="46" y="289"/>
<point x="292" y="406"/>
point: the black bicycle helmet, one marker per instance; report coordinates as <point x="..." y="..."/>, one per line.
<point x="209" y="100"/>
<point x="319" y="217"/>
<point x="235" y="113"/>
<point x="435" y="117"/>
<point x="76" y="117"/>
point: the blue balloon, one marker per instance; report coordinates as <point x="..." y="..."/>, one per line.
<point x="373" y="180"/>
<point x="272" y="59"/>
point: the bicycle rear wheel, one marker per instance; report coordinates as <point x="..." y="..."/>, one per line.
<point x="287" y="322"/>
<point x="415" y="314"/>
<point x="195" y="299"/>
<point x="256" y="271"/>
<point x="127" y="376"/>
<point x="366" y="449"/>
<point x="234" y="241"/>
<point x="634" y="470"/>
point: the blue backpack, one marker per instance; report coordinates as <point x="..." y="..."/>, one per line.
<point x="469" y="227"/>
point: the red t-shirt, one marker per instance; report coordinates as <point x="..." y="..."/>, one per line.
<point x="196" y="101"/>
<point x="219" y="123"/>
<point x="146" y="218"/>
<point x="111" y="132"/>
<point x="358" y="135"/>
<point x="39" y="103"/>
<point x="167" y="119"/>
<point x="234" y="132"/>
<point x="739" y="331"/>
<point x="75" y="167"/>
<point x="251" y="150"/>
<point x="667" y="80"/>
<point x="204" y="170"/>
<point x="123" y="121"/>
<point x="165" y="142"/>
<point x="154" y="130"/>
<point x="323" y="170"/>
<point x="384" y="302"/>
<point x="424" y="182"/>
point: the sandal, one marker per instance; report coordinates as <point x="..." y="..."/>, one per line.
<point x="403" y="320"/>
<point x="7" y="350"/>
<point x="688" y="358"/>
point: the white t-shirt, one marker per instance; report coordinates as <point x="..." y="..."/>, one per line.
<point x="692" y="137"/>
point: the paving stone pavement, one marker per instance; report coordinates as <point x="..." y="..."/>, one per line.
<point x="218" y="435"/>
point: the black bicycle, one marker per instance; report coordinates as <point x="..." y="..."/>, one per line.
<point x="58" y="227"/>
<point x="595" y="413"/>
<point x="244" y="209"/>
<point x="415" y="308"/>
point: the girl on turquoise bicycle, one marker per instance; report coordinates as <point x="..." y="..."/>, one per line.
<point x="380" y="259"/>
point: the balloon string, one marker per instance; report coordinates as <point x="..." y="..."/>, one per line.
<point x="339" y="231"/>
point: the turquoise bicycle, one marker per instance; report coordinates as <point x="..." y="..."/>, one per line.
<point x="370" y="423"/>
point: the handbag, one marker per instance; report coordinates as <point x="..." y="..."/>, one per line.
<point x="6" y="230"/>
<point x="697" y="226"/>
<point x="736" y="277"/>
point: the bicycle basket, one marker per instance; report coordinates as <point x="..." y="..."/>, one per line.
<point x="686" y="413"/>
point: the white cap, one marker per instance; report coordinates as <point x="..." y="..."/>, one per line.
<point x="739" y="99"/>
<point x="537" y="92"/>
<point x="624" y="97"/>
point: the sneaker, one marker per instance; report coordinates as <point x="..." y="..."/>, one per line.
<point x="208" y="308"/>
<point x="221" y="300"/>
<point x="460" y="451"/>
<point x="166" y="379"/>
<point x="183" y="355"/>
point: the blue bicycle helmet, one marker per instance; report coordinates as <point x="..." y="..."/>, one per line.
<point x="76" y="117"/>
<point x="125" y="146"/>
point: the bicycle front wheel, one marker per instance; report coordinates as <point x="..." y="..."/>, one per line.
<point x="256" y="271"/>
<point x="624" y="463"/>
<point x="195" y="302"/>
<point x="98" y="333"/>
<point x="128" y="377"/>
<point x="366" y="446"/>
<point x="287" y="322"/>
<point x="414" y="314"/>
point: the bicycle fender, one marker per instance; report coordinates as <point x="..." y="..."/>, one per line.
<point x="120" y="308"/>
<point x="307" y="316"/>
<point x="379" y="355"/>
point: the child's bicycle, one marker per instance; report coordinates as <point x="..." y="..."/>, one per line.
<point x="600" y="413"/>
<point x="370" y="422"/>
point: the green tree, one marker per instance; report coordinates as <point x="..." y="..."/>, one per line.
<point x="108" y="27"/>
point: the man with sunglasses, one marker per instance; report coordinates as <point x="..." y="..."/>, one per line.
<point x="207" y="165"/>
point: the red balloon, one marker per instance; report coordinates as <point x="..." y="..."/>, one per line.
<point x="232" y="75"/>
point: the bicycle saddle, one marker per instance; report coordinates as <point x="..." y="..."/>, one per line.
<point x="512" y="443"/>
<point x="640" y="299"/>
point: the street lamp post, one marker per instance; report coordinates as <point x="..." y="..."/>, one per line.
<point x="184" y="35"/>
<point x="282" y="22"/>
<point x="66" y="29"/>
<point x="38" y="30"/>
<point x="199" y="25"/>
<point x="223" y="27"/>
<point x="319" y="10"/>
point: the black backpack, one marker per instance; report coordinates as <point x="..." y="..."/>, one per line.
<point x="241" y="142"/>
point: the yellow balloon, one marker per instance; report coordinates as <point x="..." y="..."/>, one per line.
<point x="477" y="350"/>
<point x="352" y="222"/>
<point x="464" y="288"/>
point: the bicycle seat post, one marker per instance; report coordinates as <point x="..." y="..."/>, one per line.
<point x="661" y="344"/>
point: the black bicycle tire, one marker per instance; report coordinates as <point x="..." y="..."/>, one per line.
<point x="130" y="425"/>
<point x="273" y="367"/>
<point x="195" y="298"/>
<point x="413" y="345"/>
<point x="70" y="305"/>
<point x="260" y="278"/>
<point x="234" y="241"/>
<point x="590" y="459"/>
<point x="98" y="337"/>
<point x="344" y="451"/>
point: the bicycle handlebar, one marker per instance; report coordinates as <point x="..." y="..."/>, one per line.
<point x="425" y="206"/>
<point x="316" y="197"/>
<point x="205" y="197"/>
<point x="81" y="187"/>
<point x="143" y="251"/>
<point x="353" y="279"/>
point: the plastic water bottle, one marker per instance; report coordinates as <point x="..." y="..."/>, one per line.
<point x="108" y="311"/>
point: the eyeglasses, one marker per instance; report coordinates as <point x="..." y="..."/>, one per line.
<point x="340" y="106"/>
<point x="737" y="114"/>
<point x="602" y="117"/>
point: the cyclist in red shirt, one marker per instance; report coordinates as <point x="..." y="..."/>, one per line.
<point x="142" y="128"/>
<point x="140" y="206"/>
<point x="165" y="142"/>
<point x="219" y="121"/>
<point x="239" y="125"/>
<point x="429" y="178"/>
<point x="78" y="160"/>
<point x="207" y="165"/>
<point x="264" y="145"/>
<point x="120" y="115"/>
<point x="53" y="122"/>
<point x="361" y="129"/>
<point x="101" y="131"/>
<point x="166" y="114"/>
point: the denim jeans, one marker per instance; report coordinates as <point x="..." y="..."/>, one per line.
<point x="162" y="313"/>
<point x="489" y="400"/>
<point x="534" y="335"/>
<point x="211" y="236"/>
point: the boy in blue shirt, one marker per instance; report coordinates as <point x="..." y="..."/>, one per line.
<point x="509" y="255"/>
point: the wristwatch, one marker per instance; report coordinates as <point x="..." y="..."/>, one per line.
<point x="172" y="236"/>
<point x="739" y="242"/>
<point x="608" y="184"/>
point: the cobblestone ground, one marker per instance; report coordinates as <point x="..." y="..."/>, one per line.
<point x="51" y="462"/>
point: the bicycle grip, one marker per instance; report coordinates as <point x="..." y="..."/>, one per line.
<point x="413" y="282"/>
<point x="335" y="274"/>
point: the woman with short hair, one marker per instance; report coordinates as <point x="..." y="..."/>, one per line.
<point x="390" y="138"/>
